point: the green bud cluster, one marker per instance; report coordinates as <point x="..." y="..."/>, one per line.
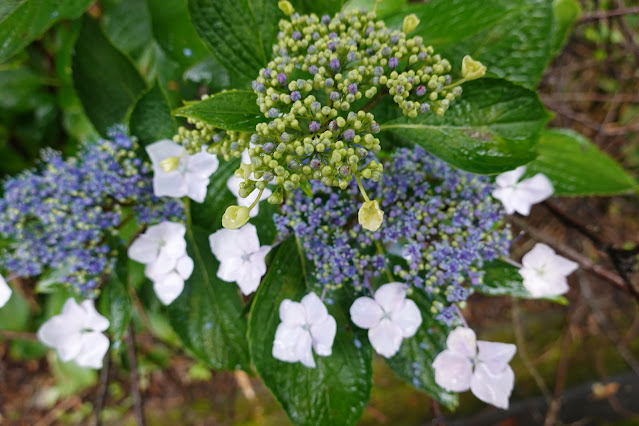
<point x="225" y="143"/>
<point x="315" y="90"/>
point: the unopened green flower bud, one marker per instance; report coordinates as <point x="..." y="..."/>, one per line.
<point x="410" y="23"/>
<point x="235" y="216"/>
<point x="472" y="69"/>
<point x="286" y="7"/>
<point x="370" y="216"/>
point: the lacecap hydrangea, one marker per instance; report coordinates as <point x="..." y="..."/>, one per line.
<point x="441" y="226"/>
<point x="66" y="214"/>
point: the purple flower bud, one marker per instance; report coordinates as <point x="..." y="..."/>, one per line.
<point x="315" y="35"/>
<point x="352" y="88"/>
<point x="273" y="112"/>
<point x="399" y="90"/>
<point x="259" y="87"/>
<point x="349" y="135"/>
<point x="315" y="163"/>
<point x="332" y="126"/>
<point x="332" y="36"/>
<point x="369" y="30"/>
<point x="344" y="170"/>
<point x="275" y="97"/>
<point x="314" y="126"/>
<point x="295" y="96"/>
<point x="311" y="49"/>
<point x="421" y="90"/>
<point x="334" y="96"/>
<point x="422" y="56"/>
<point x="326" y="19"/>
<point x="268" y="147"/>
<point x="448" y="79"/>
<point x="386" y="51"/>
<point x="379" y="70"/>
<point x="313" y="69"/>
<point x="393" y="62"/>
<point x="281" y="78"/>
<point x="335" y="64"/>
<point x="284" y="137"/>
<point x="297" y="35"/>
<point x="267" y="73"/>
<point x="315" y="107"/>
<point x="394" y="39"/>
<point x="331" y="46"/>
<point x="352" y="56"/>
<point x="424" y="107"/>
<point x="267" y="176"/>
<point x="375" y="127"/>
<point x="329" y="82"/>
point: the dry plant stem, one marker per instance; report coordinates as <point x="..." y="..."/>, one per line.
<point x="7" y="334"/>
<point x="436" y="411"/>
<point x="604" y="14"/>
<point x="103" y="383"/>
<point x="138" y="402"/>
<point x="627" y="31"/>
<point x="573" y="254"/>
<point x="523" y="352"/>
<point x="52" y="417"/>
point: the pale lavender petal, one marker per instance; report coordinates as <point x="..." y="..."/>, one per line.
<point x="315" y="309"/>
<point x="144" y="249"/>
<point x="386" y="338"/>
<point x="170" y="184"/>
<point x="184" y="267"/>
<point x="510" y="178"/>
<point x="94" y="346"/>
<point x="168" y="287"/>
<point x="203" y="164"/>
<point x="495" y="355"/>
<point x="163" y="149"/>
<point x="408" y="319"/>
<point x="292" y="313"/>
<point x="462" y="341"/>
<point x="285" y="342"/>
<point x="391" y="296"/>
<point x="323" y="334"/>
<point x="92" y="319"/>
<point x="492" y="388"/>
<point x="453" y="371"/>
<point x="5" y="292"/>
<point x="366" y="313"/>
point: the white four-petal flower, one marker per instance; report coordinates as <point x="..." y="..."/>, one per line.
<point x="520" y="196"/>
<point x="162" y="249"/>
<point x="176" y="174"/>
<point x="389" y="318"/>
<point x="76" y="334"/>
<point x="233" y="184"/>
<point x="240" y="255"/>
<point x="5" y="292"/>
<point x="485" y="372"/>
<point x="545" y="272"/>
<point x="305" y="326"/>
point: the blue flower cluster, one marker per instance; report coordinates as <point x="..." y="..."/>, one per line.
<point x="64" y="216"/>
<point x="440" y="227"/>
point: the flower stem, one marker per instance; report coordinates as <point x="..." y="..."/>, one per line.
<point x="361" y="188"/>
<point x="257" y="200"/>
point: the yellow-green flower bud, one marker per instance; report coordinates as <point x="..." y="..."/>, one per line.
<point x="472" y="69"/>
<point x="286" y="7"/>
<point x="170" y="164"/>
<point x="370" y="216"/>
<point x="235" y="216"/>
<point x="410" y="23"/>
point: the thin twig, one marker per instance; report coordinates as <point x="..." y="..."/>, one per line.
<point x="138" y="402"/>
<point x="438" y="419"/>
<point x="8" y="334"/>
<point x="604" y="14"/>
<point x="103" y="383"/>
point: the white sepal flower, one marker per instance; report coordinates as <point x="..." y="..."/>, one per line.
<point x="545" y="273"/>
<point x="176" y="174"/>
<point x="240" y="255"/>
<point x="163" y="249"/>
<point x="389" y="318"/>
<point x="169" y="285"/>
<point x="76" y="334"/>
<point x="485" y="372"/>
<point x="305" y="326"/>
<point x="520" y="196"/>
<point x="5" y="292"/>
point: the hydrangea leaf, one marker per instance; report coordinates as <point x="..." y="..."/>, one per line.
<point x="337" y="390"/>
<point x="115" y="304"/>
<point x="106" y="81"/>
<point x="21" y="22"/>
<point x="208" y="315"/>
<point x="384" y="8"/>
<point x="413" y="362"/>
<point x="492" y="128"/>
<point x="239" y="33"/>
<point x="319" y="7"/>
<point x="503" y="279"/>
<point x="231" y="110"/>
<point x="511" y="37"/>
<point x="575" y="166"/>
<point x="151" y="118"/>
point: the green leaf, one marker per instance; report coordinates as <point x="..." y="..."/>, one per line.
<point x="337" y="390"/>
<point x="208" y="315"/>
<point x="384" y="8"/>
<point x="492" y="128"/>
<point x="151" y="118"/>
<point x="22" y="89"/>
<point x="21" y="22"/>
<point x="127" y="23"/>
<point x="232" y="110"/>
<point x="566" y="13"/>
<point x="239" y="33"/>
<point x="115" y="302"/>
<point x="106" y="81"/>
<point x="70" y="377"/>
<point x="511" y="37"/>
<point x="575" y="166"/>
<point x="15" y="315"/>
<point x="321" y="7"/>
<point x="414" y="361"/>
<point x="503" y="279"/>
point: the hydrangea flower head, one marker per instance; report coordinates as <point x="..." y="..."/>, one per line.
<point x="305" y="326"/>
<point x="76" y="334"/>
<point x="473" y="364"/>
<point x="545" y="272"/>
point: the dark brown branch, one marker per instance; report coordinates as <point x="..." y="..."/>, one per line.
<point x="103" y="383"/>
<point x="605" y="14"/>
<point x="138" y="402"/>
